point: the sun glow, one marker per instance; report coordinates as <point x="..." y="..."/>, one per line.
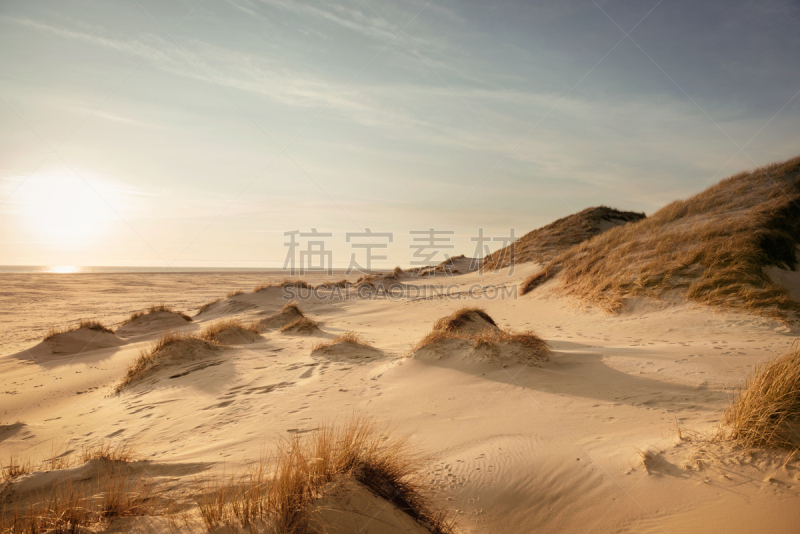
<point x="64" y="269"/>
<point x="62" y="208"/>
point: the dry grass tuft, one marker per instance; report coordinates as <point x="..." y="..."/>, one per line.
<point x="445" y="268"/>
<point x="712" y="248"/>
<point x="277" y="496"/>
<point x="397" y="271"/>
<point x="156" y="309"/>
<point x="286" y="282"/>
<point x="766" y="411"/>
<point x="16" y="467"/>
<point x="84" y="323"/>
<point x="290" y="307"/>
<point x="234" y="293"/>
<point x="476" y="327"/>
<point x="543" y="244"/>
<point x="120" y="452"/>
<point x="649" y="457"/>
<point x="303" y="325"/>
<point x="461" y="317"/>
<point x="290" y="312"/>
<point x="62" y="457"/>
<point x="349" y="338"/>
<point x="206" y="306"/>
<point x="77" y="506"/>
<point x="212" y="331"/>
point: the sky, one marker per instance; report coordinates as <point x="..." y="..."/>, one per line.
<point x="198" y="133"/>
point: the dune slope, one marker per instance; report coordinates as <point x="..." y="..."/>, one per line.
<point x="713" y="248"/>
<point x="545" y="243"/>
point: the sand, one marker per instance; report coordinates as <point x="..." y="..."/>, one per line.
<point x="514" y="448"/>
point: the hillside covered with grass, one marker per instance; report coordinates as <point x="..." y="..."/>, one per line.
<point x="713" y="248"/>
<point x="544" y="243"/>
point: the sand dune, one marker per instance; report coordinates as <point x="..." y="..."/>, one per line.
<point x="290" y="312"/>
<point x="152" y="322"/>
<point x="470" y="334"/>
<point x="173" y="356"/>
<point x="713" y="248"/>
<point x="556" y="441"/>
<point x="81" y="339"/>
<point x="523" y="413"/>
<point x="543" y="244"/>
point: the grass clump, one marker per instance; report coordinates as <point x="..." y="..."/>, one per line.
<point x="543" y="244"/>
<point x="461" y="317"/>
<point x="62" y="457"/>
<point x="347" y="338"/>
<point x="477" y="327"/>
<point x="84" y="323"/>
<point x="16" y="466"/>
<point x="303" y="325"/>
<point x="204" y="308"/>
<point x="156" y="309"/>
<point x="68" y="506"/>
<point x="290" y="312"/>
<point x="64" y="504"/>
<point x="119" y="452"/>
<point x="277" y="495"/>
<point x="712" y="248"/>
<point x="292" y="307"/>
<point x="234" y="293"/>
<point x="212" y="331"/>
<point x="286" y="282"/>
<point x="766" y="411"/>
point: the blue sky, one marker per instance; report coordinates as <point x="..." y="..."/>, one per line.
<point x="197" y="133"/>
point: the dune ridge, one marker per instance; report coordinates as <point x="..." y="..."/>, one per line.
<point x="712" y="248"/>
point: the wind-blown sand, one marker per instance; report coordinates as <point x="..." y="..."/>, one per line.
<point x="544" y="447"/>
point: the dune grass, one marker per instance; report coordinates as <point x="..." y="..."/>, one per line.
<point x="347" y="338"/>
<point x="62" y="456"/>
<point x="156" y="308"/>
<point x="286" y="282"/>
<point x="303" y="325"/>
<point x="16" y="466"/>
<point x="292" y="307"/>
<point x="204" y="308"/>
<point x="711" y="248"/>
<point x="121" y="451"/>
<point x="276" y="495"/>
<point x="543" y="244"/>
<point x="340" y="283"/>
<point x="289" y="313"/>
<point x="210" y="332"/>
<point x="459" y="318"/>
<point x="84" y="323"/>
<point x="234" y="293"/>
<point x="765" y="412"/>
<point x="477" y="327"/>
<point x="69" y="506"/>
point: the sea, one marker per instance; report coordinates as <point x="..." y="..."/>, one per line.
<point x="74" y="269"/>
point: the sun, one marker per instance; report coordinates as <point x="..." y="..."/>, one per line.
<point x="63" y="209"/>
